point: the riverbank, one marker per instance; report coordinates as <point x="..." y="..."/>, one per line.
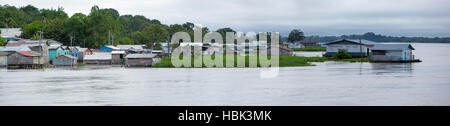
<point x="285" y="61"/>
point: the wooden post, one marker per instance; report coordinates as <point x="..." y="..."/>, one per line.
<point x="360" y="49"/>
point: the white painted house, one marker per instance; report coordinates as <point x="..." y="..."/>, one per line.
<point x="355" y="48"/>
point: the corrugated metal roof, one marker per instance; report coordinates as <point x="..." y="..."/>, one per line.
<point x="14" y="48"/>
<point x="125" y="47"/>
<point x="10" y="32"/>
<point x="69" y="56"/>
<point x="392" y="47"/>
<point x="83" y="49"/>
<point x="118" y="52"/>
<point x="138" y="56"/>
<point x="98" y="56"/>
<point x="29" y="53"/>
<point x="356" y="41"/>
<point x="54" y="47"/>
<point x="112" y="47"/>
<point x="3" y="53"/>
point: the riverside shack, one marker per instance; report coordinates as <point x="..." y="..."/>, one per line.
<point x="99" y="58"/>
<point x="139" y="60"/>
<point x="83" y="52"/>
<point x="24" y="59"/>
<point x="117" y="57"/>
<point x="65" y="60"/>
<point x="3" y="59"/>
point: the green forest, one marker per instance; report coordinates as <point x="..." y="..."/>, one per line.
<point x="103" y="25"/>
<point x="378" y="38"/>
<point x="99" y="27"/>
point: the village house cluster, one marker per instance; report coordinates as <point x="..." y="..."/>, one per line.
<point x="26" y="53"/>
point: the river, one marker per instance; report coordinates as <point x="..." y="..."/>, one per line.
<point x="327" y="83"/>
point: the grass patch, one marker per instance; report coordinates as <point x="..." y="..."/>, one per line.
<point x="352" y="60"/>
<point x="311" y="49"/>
<point x="285" y="61"/>
<point x="81" y="64"/>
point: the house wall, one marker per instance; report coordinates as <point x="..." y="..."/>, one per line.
<point x="44" y="52"/>
<point x="15" y="59"/>
<point x="74" y="53"/>
<point x="116" y="59"/>
<point x="393" y="55"/>
<point x="99" y="62"/>
<point x="62" y="60"/>
<point x="139" y="62"/>
<point x="105" y="49"/>
<point x="52" y="53"/>
<point x="352" y="49"/>
<point x="80" y="56"/>
<point x="3" y="60"/>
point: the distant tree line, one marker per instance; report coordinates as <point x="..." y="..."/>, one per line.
<point x="378" y="38"/>
<point x="98" y="28"/>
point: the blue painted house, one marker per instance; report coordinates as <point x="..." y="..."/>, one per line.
<point x="108" y="48"/>
<point x="74" y="51"/>
<point x="53" y="52"/>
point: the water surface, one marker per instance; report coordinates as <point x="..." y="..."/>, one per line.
<point x="328" y="83"/>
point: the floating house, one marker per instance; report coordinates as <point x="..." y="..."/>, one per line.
<point x="82" y="52"/>
<point x="139" y="60"/>
<point x="3" y="59"/>
<point x="392" y="53"/>
<point x="24" y="59"/>
<point x="100" y="58"/>
<point x="65" y="60"/>
<point x="117" y="57"/>
<point x="355" y="48"/>
<point x="108" y="48"/>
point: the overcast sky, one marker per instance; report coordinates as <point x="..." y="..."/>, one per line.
<point x="315" y="17"/>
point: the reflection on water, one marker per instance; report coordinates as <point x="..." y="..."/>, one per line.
<point x="328" y="83"/>
<point x="382" y="68"/>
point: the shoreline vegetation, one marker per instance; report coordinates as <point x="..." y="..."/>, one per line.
<point x="285" y="61"/>
<point x="311" y="49"/>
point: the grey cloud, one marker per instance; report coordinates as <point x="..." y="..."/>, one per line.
<point x="315" y="17"/>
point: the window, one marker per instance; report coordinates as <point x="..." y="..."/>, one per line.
<point x="378" y="52"/>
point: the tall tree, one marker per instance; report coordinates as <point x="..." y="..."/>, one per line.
<point x="155" y="33"/>
<point x="296" y="35"/>
<point x="103" y="24"/>
<point x="76" y="27"/>
<point x="223" y="32"/>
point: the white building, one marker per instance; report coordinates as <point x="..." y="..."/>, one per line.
<point x="354" y="47"/>
<point x="392" y="52"/>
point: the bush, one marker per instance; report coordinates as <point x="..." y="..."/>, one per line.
<point x="342" y="54"/>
